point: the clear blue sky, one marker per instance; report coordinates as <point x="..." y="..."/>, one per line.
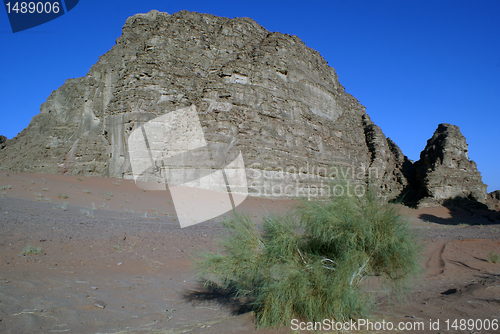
<point x="413" y="64"/>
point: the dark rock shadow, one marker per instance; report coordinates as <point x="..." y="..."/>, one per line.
<point x="462" y="210"/>
<point x="226" y="298"/>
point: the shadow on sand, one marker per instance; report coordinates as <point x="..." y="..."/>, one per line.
<point x="225" y="297"/>
<point x="463" y="211"/>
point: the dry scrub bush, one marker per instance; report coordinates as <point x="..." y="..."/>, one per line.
<point x="309" y="264"/>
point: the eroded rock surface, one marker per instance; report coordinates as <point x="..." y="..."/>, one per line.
<point x="3" y="142"/>
<point x="267" y="92"/>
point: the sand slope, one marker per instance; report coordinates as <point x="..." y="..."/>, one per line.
<point x="126" y="265"/>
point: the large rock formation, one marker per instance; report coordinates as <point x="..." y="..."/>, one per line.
<point x="444" y="170"/>
<point x="276" y="99"/>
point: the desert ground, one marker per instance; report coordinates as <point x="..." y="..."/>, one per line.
<point x="115" y="260"/>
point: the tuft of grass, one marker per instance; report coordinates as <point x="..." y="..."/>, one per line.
<point x="88" y="212"/>
<point x="80" y="179"/>
<point x="6" y="187"/>
<point x="87" y="191"/>
<point x="61" y="195"/>
<point x="310" y="264"/>
<point x="61" y="207"/>
<point x="45" y="189"/>
<point x="493" y="257"/>
<point x="108" y="195"/>
<point x="28" y="250"/>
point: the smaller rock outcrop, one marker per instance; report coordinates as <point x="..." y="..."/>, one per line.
<point x="444" y="170"/>
<point x="3" y="142"/>
<point x="493" y="200"/>
<point x="495" y="195"/>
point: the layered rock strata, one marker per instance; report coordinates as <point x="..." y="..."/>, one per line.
<point x="445" y="171"/>
<point x="265" y="93"/>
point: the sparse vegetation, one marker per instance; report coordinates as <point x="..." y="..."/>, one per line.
<point x="45" y="189"/>
<point x="311" y="263"/>
<point x="28" y="250"/>
<point x="61" y="207"/>
<point x="61" y="195"/>
<point x="108" y="195"/>
<point x="6" y="187"/>
<point x="87" y="191"/>
<point x="89" y="213"/>
<point x="493" y="257"/>
<point x="80" y="179"/>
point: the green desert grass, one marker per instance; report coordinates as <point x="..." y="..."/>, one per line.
<point x="62" y="195"/>
<point x="493" y="257"/>
<point x="61" y="207"/>
<point x="310" y="263"/>
<point x="28" y="250"/>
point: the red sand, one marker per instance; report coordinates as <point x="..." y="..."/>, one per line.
<point x="133" y="256"/>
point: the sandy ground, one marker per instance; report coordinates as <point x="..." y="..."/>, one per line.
<point x="115" y="260"/>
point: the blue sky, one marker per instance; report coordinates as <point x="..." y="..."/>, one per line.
<point x="413" y="64"/>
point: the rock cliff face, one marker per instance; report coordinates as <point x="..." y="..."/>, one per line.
<point x="444" y="170"/>
<point x="277" y="99"/>
<point x="264" y="93"/>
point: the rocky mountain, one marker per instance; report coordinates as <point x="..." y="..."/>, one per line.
<point x="444" y="170"/>
<point x="264" y="93"/>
